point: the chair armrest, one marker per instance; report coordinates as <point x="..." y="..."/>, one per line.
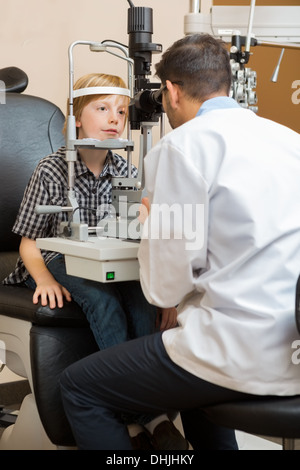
<point x="16" y="302"/>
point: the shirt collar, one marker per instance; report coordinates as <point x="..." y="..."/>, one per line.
<point x="219" y="102"/>
<point x="108" y="169"/>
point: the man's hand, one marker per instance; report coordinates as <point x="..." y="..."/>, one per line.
<point x="166" y="318"/>
<point x="144" y="210"/>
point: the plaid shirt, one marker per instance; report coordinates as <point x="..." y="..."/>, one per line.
<point x="48" y="185"/>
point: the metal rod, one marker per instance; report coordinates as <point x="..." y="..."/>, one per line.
<point x="250" y="26"/>
<point x="287" y="45"/>
<point x="194" y="6"/>
<point x="276" y="71"/>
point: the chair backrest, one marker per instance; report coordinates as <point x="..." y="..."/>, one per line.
<point x="30" y="128"/>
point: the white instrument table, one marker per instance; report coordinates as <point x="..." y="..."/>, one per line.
<point x="98" y="259"/>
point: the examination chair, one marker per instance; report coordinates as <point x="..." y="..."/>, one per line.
<point x="268" y="416"/>
<point x="36" y="343"/>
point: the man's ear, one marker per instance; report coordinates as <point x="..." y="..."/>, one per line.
<point x="173" y="91"/>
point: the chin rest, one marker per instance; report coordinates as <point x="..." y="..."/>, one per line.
<point x="38" y="342"/>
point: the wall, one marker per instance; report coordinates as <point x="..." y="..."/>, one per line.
<point x="35" y="36"/>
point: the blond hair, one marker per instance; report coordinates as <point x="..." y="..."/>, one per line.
<point x="93" y="80"/>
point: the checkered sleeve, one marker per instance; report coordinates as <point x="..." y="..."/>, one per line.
<point x="122" y="166"/>
<point x="44" y="188"/>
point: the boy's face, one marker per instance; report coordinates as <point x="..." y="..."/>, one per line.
<point x="103" y="118"/>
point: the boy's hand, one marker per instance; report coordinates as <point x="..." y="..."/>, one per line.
<point x="53" y="294"/>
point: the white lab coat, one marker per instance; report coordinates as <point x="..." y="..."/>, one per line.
<point x="236" y="283"/>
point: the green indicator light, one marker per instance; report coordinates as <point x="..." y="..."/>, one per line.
<point x="110" y="276"/>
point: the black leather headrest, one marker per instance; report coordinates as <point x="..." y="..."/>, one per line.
<point x="15" y="79"/>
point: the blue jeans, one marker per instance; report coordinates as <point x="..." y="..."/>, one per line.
<point x="138" y="378"/>
<point x="116" y="312"/>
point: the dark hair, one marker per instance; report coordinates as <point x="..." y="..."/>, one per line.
<point x="200" y="63"/>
